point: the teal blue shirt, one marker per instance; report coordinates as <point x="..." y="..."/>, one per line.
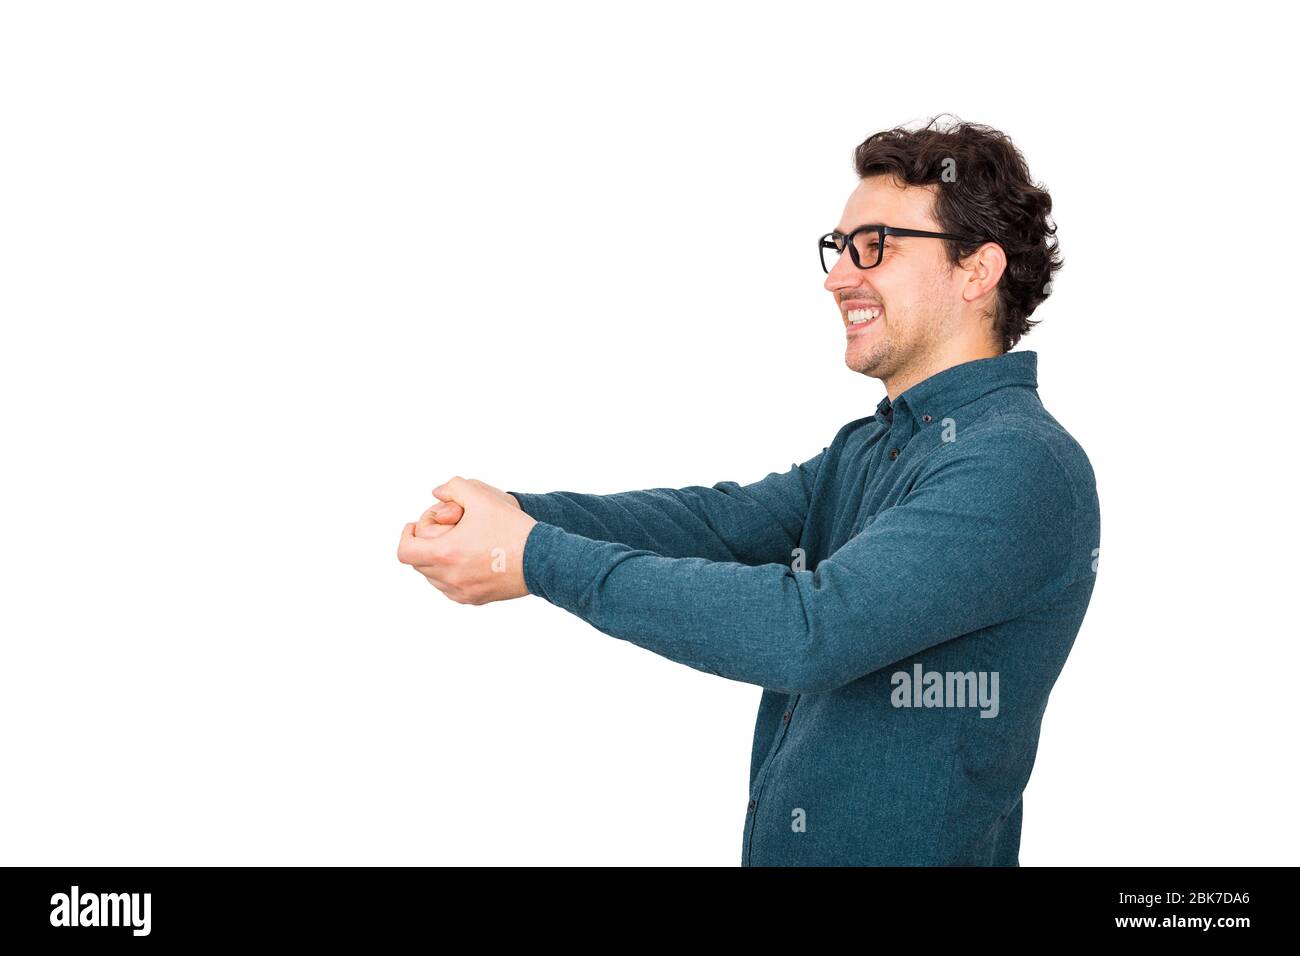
<point x="906" y="598"/>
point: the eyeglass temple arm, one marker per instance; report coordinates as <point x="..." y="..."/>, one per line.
<point x="891" y="231"/>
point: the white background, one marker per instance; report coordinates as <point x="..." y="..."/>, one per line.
<point x="271" y="271"/>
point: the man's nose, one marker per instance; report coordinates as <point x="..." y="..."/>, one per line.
<point x="843" y="274"/>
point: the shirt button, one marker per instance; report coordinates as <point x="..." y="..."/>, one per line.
<point x="926" y="418"/>
<point x="752" y="805"/>
<point x="786" y="716"/>
<point x="893" y="454"/>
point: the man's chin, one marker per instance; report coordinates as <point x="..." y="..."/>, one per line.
<point x="864" y="362"/>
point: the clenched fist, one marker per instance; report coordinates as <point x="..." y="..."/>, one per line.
<point x="470" y="545"/>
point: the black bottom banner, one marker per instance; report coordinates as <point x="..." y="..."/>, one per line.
<point x="377" y="905"/>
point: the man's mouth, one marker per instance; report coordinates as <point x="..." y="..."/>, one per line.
<point x="859" y="317"/>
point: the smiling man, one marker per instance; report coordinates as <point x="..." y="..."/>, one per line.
<point x="945" y="543"/>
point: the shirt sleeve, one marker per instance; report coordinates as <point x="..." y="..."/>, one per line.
<point x="985" y="533"/>
<point x="757" y="523"/>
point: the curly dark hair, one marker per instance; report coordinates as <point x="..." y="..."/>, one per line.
<point x="984" y="190"/>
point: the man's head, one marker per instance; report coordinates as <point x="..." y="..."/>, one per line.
<point x="943" y="301"/>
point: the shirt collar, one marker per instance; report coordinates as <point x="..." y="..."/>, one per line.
<point x="930" y="399"/>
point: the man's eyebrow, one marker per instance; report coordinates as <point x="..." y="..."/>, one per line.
<point x="845" y="232"/>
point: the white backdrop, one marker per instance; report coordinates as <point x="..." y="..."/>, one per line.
<point x="271" y="271"/>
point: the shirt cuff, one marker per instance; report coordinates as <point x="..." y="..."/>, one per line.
<point x="536" y="506"/>
<point x="557" y="564"/>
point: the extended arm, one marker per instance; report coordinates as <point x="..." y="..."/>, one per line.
<point x="755" y="523"/>
<point x="985" y="533"/>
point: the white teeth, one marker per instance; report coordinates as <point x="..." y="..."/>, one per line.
<point x="858" y="316"/>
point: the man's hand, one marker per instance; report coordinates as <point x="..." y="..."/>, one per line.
<point x="471" y="545"/>
<point x="438" y="519"/>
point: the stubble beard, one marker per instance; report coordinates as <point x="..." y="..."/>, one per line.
<point x="875" y="360"/>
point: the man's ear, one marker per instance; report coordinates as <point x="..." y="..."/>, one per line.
<point x="984" y="268"/>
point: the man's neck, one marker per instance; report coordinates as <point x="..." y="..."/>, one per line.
<point x="934" y="364"/>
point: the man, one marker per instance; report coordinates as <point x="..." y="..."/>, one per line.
<point x="907" y="597"/>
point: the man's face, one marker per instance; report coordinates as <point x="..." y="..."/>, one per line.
<point x="917" y="291"/>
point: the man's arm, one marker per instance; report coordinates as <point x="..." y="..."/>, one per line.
<point x="757" y="523"/>
<point x="986" y="533"/>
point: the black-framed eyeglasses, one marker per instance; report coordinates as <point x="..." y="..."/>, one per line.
<point x="866" y="244"/>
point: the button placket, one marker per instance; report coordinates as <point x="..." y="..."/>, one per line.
<point x="759" y="784"/>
